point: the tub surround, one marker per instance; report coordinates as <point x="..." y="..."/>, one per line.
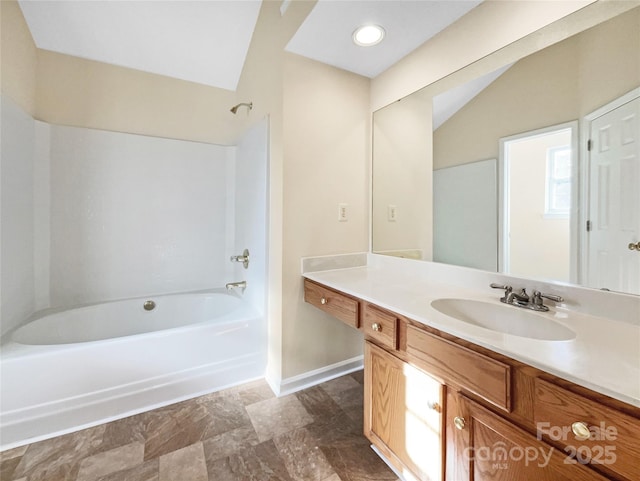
<point x="603" y="357"/>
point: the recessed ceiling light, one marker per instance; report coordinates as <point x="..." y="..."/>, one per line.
<point x="368" y="35"/>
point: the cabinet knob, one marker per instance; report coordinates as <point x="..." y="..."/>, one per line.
<point x="376" y="327"/>
<point x="581" y="430"/>
<point x="634" y="247"/>
<point x="324" y="301"/>
<point x="459" y="422"/>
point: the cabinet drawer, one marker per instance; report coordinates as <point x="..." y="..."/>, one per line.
<point x="380" y="326"/>
<point x="474" y="372"/>
<point x="332" y="302"/>
<point x="614" y="441"/>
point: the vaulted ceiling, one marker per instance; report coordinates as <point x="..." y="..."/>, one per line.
<point x="207" y="41"/>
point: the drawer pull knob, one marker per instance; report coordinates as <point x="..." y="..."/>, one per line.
<point x="581" y="430"/>
<point x="434" y="405"/>
<point x="324" y="301"/>
<point x="459" y="423"/>
<point x="376" y="327"/>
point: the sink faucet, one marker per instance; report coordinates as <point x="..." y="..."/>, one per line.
<point x="522" y="299"/>
<point x="233" y="285"/>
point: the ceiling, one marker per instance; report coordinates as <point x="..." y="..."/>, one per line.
<point x="207" y="41"/>
<point x="200" y="41"/>
<point x="326" y="34"/>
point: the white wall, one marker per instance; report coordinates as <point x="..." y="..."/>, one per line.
<point x="17" y="278"/>
<point x="465" y="199"/>
<point x="251" y="212"/>
<point x="134" y="215"/>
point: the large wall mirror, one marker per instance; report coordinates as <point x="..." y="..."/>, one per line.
<point x="526" y="162"/>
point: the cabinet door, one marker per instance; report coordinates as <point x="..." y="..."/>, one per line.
<point x="403" y="417"/>
<point x="485" y="447"/>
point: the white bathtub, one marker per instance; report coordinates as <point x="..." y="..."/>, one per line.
<point x="69" y="370"/>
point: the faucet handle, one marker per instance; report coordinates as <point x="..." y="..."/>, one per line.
<point x="507" y="291"/>
<point x="537" y="297"/>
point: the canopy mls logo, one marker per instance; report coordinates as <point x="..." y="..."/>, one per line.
<point x="500" y="455"/>
<point x="600" y="432"/>
<point x="580" y="432"/>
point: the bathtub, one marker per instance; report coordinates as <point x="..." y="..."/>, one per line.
<point x="67" y="370"/>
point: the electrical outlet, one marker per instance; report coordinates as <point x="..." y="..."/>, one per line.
<point x="342" y="212"/>
<point x="392" y="213"/>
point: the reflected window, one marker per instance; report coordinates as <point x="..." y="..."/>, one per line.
<point x="558" y="184"/>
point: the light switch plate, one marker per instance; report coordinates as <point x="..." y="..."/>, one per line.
<point x="342" y="212"/>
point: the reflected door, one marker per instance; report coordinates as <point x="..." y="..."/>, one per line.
<point x="537" y="175"/>
<point x="614" y="201"/>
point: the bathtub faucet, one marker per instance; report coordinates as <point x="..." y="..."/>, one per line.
<point x="244" y="258"/>
<point x="233" y="285"/>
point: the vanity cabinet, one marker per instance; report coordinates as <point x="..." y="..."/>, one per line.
<point x="443" y="408"/>
<point x="403" y="414"/>
<point x="332" y="302"/>
<point x="485" y="447"/>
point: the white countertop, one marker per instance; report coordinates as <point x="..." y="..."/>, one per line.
<point x="604" y="356"/>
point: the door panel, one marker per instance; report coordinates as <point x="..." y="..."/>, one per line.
<point x="614" y="200"/>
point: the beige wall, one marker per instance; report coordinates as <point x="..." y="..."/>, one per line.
<point x="18" y="57"/>
<point x="403" y="176"/>
<point x="488" y="27"/>
<point x="82" y="93"/>
<point x="538" y="245"/>
<point x="536" y="92"/>
<point x="326" y="158"/>
<point x="558" y="84"/>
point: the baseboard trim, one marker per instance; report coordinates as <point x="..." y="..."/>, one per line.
<point x="293" y="384"/>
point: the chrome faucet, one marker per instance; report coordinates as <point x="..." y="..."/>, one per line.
<point x="233" y="285"/>
<point x="244" y="258"/>
<point x="522" y="299"/>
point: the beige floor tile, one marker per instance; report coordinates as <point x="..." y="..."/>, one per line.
<point x="58" y="458"/>
<point x="186" y="464"/>
<point x="227" y="443"/>
<point x="302" y="456"/>
<point x="183" y="424"/>
<point x="333" y="477"/>
<point x="256" y="463"/>
<point x="340" y="384"/>
<point x="13" y="453"/>
<point x="277" y="416"/>
<point x="107" y="462"/>
<point x="143" y="472"/>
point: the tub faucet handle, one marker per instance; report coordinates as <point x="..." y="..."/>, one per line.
<point x="244" y="258"/>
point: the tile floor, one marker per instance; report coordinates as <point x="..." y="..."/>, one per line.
<point x="243" y="433"/>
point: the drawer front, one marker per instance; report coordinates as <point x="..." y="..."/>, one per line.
<point x="614" y="441"/>
<point x="332" y="302"/>
<point x="474" y="372"/>
<point x="380" y="326"/>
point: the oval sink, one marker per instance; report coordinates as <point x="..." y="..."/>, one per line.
<point x="510" y="320"/>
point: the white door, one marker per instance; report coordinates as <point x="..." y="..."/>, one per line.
<point x="614" y="200"/>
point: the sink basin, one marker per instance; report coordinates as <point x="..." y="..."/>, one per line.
<point x="511" y="320"/>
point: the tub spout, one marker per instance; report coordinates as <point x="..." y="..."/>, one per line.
<point x="234" y="285"/>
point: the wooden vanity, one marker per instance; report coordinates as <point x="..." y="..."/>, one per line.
<point x="440" y="407"/>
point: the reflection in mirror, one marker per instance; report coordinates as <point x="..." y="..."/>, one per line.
<point x="535" y="191"/>
<point x="470" y="218"/>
